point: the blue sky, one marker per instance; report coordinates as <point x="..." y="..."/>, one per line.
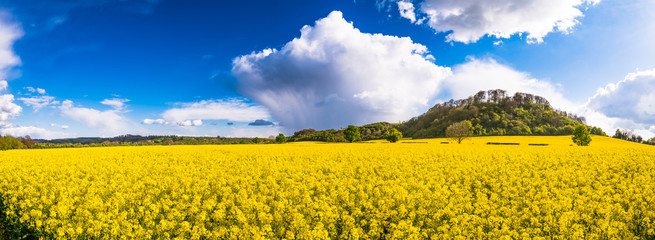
<point x="105" y="68"/>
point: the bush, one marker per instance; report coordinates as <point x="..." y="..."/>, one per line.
<point x="393" y="135"/>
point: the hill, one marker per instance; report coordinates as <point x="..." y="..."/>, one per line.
<point x="494" y="113"/>
<point x="491" y="113"/>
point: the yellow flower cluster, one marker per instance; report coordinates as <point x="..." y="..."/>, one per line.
<point x="425" y="190"/>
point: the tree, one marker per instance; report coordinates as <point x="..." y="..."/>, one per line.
<point x="459" y="131"/>
<point x="256" y="140"/>
<point x="393" y="135"/>
<point x="280" y="138"/>
<point x="28" y="141"/>
<point x="581" y="135"/>
<point x="351" y="133"/>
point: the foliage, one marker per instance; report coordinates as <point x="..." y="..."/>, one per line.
<point x="367" y="132"/>
<point x="627" y="135"/>
<point x="256" y="140"/>
<point x="351" y="134"/>
<point x="494" y="113"/>
<point x="9" y="142"/>
<point x="334" y="191"/>
<point x="280" y="138"/>
<point x="581" y="136"/>
<point x="460" y="131"/>
<point x="393" y="135"/>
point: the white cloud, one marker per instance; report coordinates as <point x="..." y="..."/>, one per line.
<point x="628" y="104"/>
<point x="9" y="33"/>
<point x="108" y="122"/>
<point x="33" y="132"/>
<point x="406" y="10"/>
<point x="37" y="90"/>
<point x="189" y="123"/>
<point x="470" y="20"/>
<point x="39" y="102"/>
<point x="159" y="121"/>
<point x="8" y="109"/>
<point x="231" y="109"/>
<point x="485" y="74"/>
<point x="116" y="103"/>
<point x="58" y="126"/>
<point x="335" y="75"/>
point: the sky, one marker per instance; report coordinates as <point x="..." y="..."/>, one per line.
<point x="259" y="68"/>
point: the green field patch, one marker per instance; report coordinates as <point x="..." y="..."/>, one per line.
<point x="502" y="143"/>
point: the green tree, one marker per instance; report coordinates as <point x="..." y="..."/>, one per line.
<point x="280" y="138"/>
<point x="459" y="131"/>
<point x="581" y="135"/>
<point x="256" y="140"/>
<point x="351" y="133"/>
<point x="393" y="135"/>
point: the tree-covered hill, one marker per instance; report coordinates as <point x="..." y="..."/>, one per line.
<point x="494" y="112"/>
<point x="491" y="112"/>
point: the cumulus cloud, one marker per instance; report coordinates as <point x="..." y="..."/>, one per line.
<point x="32" y="131"/>
<point x="8" y="109"/>
<point x="38" y="102"/>
<point x="406" y="10"/>
<point x="108" y="122"/>
<point x="469" y="20"/>
<point x="116" y="103"/>
<point x="9" y="33"/>
<point x="189" y="123"/>
<point x="159" y="121"/>
<point x="484" y="74"/>
<point x="627" y="104"/>
<point x="334" y="75"/>
<point x="231" y="109"/>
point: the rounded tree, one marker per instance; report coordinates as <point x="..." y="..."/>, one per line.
<point x="351" y="133"/>
<point x="280" y="138"/>
<point x="581" y="135"/>
<point x="393" y="135"/>
<point x="459" y="131"/>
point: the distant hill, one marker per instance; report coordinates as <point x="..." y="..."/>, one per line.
<point x="494" y="113"/>
<point x="491" y="113"/>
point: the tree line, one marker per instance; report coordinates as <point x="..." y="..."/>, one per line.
<point x="629" y="135"/>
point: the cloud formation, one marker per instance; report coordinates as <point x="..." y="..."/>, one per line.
<point x="406" y="10"/>
<point x="159" y="121"/>
<point x="334" y="75"/>
<point x="9" y="33"/>
<point x="238" y="110"/>
<point x="108" y="122"/>
<point x="117" y="103"/>
<point x="32" y="131"/>
<point x="627" y="104"/>
<point x="38" y="102"/>
<point x="189" y="123"/>
<point x="469" y="20"/>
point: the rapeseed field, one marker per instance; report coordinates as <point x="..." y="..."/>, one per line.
<point x="416" y="189"/>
